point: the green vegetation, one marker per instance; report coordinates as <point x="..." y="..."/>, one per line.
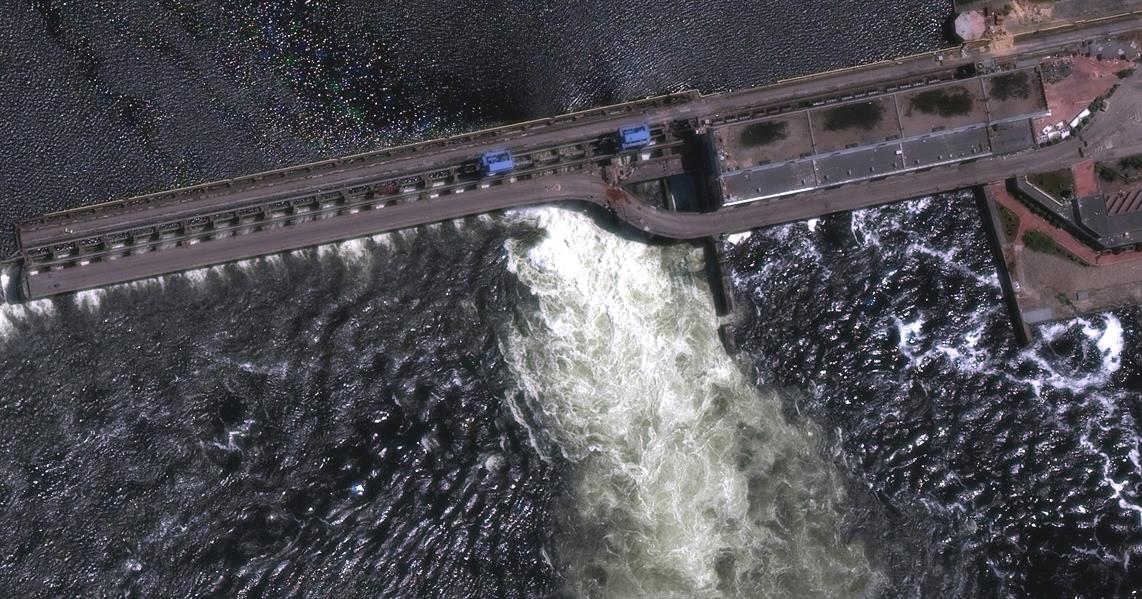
<point x="1126" y="170"/>
<point x="1039" y="241"/>
<point x="763" y="134"/>
<point x="1124" y="73"/>
<point x="1107" y="173"/>
<point x="1010" y="85"/>
<point x="954" y="101"/>
<point x="1060" y="183"/>
<point x="1010" y="223"/>
<point x="865" y="115"/>
<point x="1133" y="163"/>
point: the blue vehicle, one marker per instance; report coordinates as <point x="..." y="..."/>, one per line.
<point x="634" y="136"/>
<point x="497" y="162"/>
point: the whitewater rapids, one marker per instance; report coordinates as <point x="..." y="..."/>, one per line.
<point x="687" y="481"/>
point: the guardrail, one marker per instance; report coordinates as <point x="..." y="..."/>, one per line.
<point x="266" y="211"/>
<point x="974" y="45"/>
<point x="1079" y="24"/>
<point x="195" y="191"/>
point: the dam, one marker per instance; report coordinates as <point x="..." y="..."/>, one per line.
<point x="805" y="147"/>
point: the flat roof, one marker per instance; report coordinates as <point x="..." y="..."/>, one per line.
<point x="934" y="108"/>
<point x="1015" y="95"/>
<point x="771" y="181"/>
<point x="761" y="141"/>
<point x="1012" y="136"/>
<point x="864" y="138"/>
<point x="858" y="123"/>
<point x="952" y="146"/>
<point x="863" y="164"/>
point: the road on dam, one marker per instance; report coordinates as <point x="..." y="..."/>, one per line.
<point x="1111" y="134"/>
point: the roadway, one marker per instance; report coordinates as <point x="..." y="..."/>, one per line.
<point x="328" y="230"/>
<point x="864" y="76"/>
<point x="1118" y="133"/>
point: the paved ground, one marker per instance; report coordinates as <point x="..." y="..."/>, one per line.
<point x="1086" y="180"/>
<point x="1048" y="286"/>
<point x="1088" y="80"/>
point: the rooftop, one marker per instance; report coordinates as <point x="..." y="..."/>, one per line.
<point x="909" y="128"/>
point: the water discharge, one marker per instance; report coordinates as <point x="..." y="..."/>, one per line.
<point x="687" y="481"/>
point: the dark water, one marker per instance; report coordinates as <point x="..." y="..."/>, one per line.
<point x="104" y="99"/>
<point x="990" y="470"/>
<point x="344" y="423"/>
<point x="285" y="426"/>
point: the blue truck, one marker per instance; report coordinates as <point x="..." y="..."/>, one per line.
<point x="497" y="162"/>
<point x="634" y="136"/>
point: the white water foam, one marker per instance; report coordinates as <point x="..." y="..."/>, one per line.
<point x="909" y="333"/>
<point x="737" y="238"/>
<point x="951" y="260"/>
<point x="863" y="227"/>
<point x="688" y="482"/>
<point x="13" y="316"/>
<point x="1106" y="336"/>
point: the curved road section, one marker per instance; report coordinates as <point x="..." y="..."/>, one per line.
<point x="569" y="161"/>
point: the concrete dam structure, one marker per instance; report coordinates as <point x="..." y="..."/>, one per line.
<point x="714" y="164"/>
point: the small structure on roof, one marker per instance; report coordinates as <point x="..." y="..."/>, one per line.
<point x="971" y="25"/>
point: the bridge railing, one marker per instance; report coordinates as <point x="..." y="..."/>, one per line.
<point x="196" y="191"/>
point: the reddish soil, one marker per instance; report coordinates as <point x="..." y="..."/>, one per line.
<point x="1088" y="80"/>
<point x="1086" y="180"/>
<point x="1029" y="221"/>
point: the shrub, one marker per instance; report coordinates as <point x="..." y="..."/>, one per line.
<point x="865" y="115"/>
<point x="1039" y="242"/>
<point x="1010" y="85"/>
<point x="950" y="102"/>
<point x="1010" y="223"/>
<point x="1107" y="173"/>
<point x="761" y="134"/>
<point x="1132" y="162"/>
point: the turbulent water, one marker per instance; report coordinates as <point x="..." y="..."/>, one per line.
<point x="523" y="405"/>
<point x="685" y="481"/>
<point x="991" y="470"/>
